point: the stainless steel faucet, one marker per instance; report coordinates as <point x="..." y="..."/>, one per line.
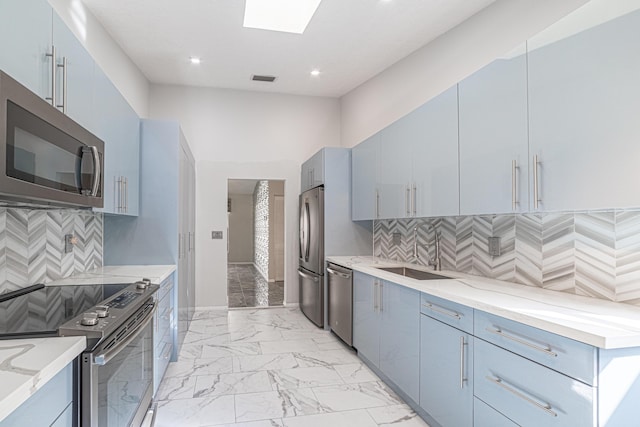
<point x="434" y="262"/>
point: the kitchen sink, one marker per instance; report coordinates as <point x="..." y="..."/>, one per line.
<point x="412" y="273"/>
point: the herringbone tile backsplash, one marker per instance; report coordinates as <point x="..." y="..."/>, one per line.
<point x="594" y="253"/>
<point x="32" y="245"/>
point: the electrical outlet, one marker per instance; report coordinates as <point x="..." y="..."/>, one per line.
<point x="494" y="246"/>
<point x="396" y="238"/>
<point x="216" y="234"/>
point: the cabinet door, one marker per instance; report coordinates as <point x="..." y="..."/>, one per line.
<point x="435" y="157"/>
<point x="317" y="169"/>
<point x="493" y="135"/>
<point x="25" y="39"/>
<point x="400" y="337"/>
<point x="446" y="376"/>
<point x="305" y="176"/>
<point x="584" y="101"/>
<point x="363" y="179"/>
<point x="119" y="127"/>
<point x="394" y="167"/>
<point x="79" y="82"/>
<point x="485" y="416"/>
<point x="366" y="317"/>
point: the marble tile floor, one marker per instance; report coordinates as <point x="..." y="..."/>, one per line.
<point x="272" y="368"/>
<point x="247" y="288"/>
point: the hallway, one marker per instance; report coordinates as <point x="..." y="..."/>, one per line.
<point x="247" y="288"/>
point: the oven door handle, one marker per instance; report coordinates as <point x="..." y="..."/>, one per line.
<point x="104" y="358"/>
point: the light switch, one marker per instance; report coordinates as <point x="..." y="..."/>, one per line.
<point x="216" y="234"/>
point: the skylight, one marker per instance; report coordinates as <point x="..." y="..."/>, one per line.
<point x="290" y="16"/>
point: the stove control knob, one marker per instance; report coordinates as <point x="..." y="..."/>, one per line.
<point x="147" y="281"/>
<point x="89" y="318"/>
<point x="141" y="285"/>
<point x="102" y="310"/>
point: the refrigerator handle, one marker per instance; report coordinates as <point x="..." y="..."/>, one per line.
<point x="308" y="231"/>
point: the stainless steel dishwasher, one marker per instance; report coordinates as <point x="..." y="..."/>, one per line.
<point x="341" y="301"/>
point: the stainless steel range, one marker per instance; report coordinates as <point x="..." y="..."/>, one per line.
<point x="114" y="375"/>
<point x="116" y="369"/>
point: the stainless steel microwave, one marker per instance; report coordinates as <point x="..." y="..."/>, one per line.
<point x="45" y="156"/>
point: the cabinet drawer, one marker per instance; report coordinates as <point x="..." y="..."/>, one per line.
<point x="485" y="416"/>
<point x="565" y="355"/>
<point x="528" y="393"/>
<point x="451" y="313"/>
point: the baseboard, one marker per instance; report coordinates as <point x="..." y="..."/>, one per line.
<point x="291" y="304"/>
<point x="241" y="263"/>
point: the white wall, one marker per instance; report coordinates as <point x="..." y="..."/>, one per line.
<point x="241" y="228"/>
<point x="439" y="65"/>
<point x="124" y="74"/>
<point x="244" y="135"/>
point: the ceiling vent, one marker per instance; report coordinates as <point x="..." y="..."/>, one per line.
<point x="258" y="78"/>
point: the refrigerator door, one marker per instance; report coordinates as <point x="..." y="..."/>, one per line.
<point x="312" y="230"/>
<point x="312" y="296"/>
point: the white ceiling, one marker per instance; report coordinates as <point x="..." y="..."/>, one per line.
<point x="350" y="41"/>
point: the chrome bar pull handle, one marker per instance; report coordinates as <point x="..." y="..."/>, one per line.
<point x="375" y="295"/>
<point x="546" y="350"/>
<point x="415" y="200"/>
<point x="52" y="55"/>
<point x="547" y="408"/>
<point x="377" y="203"/>
<point x="536" y="190"/>
<point x="442" y="310"/>
<point x="380" y="300"/>
<point x="462" y="360"/>
<point x="64" y="85"/>
<point x="126" y="195"/>
<point x="514" y="185"/>
<point x="407" y="198"/>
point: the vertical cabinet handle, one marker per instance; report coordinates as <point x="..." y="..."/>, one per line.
<point x="126" y="195"/>
<point x="377" y="204"/>
<point x="462" y="360"/>
<point x="514" y="185"/>
<point x="52" y="71"/>
<point x="118" y="188"/>
<point x="415" y="200"/>
<point x="64" y="85"/>
<point x="407" y="201"/>
<point x="375" y="295"/>
<point x="536" y="190"/>
<point x="380" y="297"/>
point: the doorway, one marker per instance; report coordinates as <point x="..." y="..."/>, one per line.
<point x="255" y="253"/>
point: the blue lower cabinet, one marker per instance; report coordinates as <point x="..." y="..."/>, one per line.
<point x="485" y="416"/>
<point x="366" y="317"/>
<point x="49" y="406"/>
<point x="446" y="373"/>
<point x="530" y="394"/>
<point x="400" y="337"/>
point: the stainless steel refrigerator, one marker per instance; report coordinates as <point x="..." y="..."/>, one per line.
<point x="311" y="255"/>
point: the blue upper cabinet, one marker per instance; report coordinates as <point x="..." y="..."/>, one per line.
<point x="435" y="157"/>
<point x="74" y="94"/>
<point x="416" y="165"/>
<point x="119" y="126"/>
<point x="584" y="103"/>
<point x="312" y="172"/>
<point x="493" y="138"/>
<point x="25" y="41"/>
<point x="393" y="172"/>
<point x="364" y="194"/>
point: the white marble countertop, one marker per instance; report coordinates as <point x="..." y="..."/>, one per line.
<point x="600" y="323"/>
<point x="27" y="364"/>
<point x="115" y="274"/>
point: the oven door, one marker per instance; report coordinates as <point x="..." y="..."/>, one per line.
<point x="117" y="377"/>
<point x="44" y="155"/>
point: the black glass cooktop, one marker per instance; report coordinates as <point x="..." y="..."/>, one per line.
<point x="41" y="311"/>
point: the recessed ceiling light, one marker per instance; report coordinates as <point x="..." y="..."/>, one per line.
<point x="315" y="73"/>
<point x="290" y="16"/>
<point x="195" y="60"/>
